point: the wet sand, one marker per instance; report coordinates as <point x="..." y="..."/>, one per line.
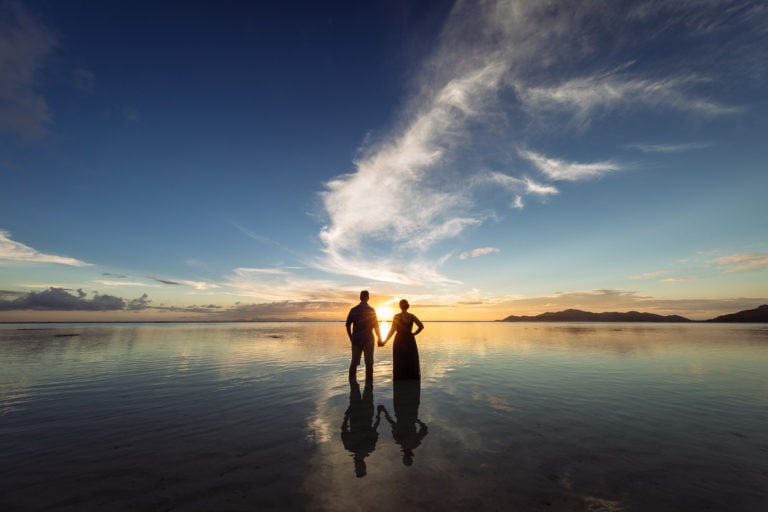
<point x="582" y="417"/>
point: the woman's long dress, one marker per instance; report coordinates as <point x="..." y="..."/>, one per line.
<point x="405" y="353"/>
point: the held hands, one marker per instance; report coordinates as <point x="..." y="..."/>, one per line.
<point x="382" y="343"/>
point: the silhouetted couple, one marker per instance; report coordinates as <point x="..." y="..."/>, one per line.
<point x="362" y="323"/>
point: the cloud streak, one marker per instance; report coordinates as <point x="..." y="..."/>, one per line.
<point x="480" y="251"/>
<point x="583" y="97"/>
<point x="668" y="148"/>
<point x="743" y="262"/>
<point x="560" y="170"/>
<point x="12" y="251"/>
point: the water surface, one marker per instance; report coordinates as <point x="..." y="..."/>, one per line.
<point x="534" y="416"/>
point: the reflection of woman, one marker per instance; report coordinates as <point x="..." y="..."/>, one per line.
<point x="405" y="353"/>
<point x="404" y="430"/>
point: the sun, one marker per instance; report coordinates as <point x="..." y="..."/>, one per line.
<point x="384" y="313"/>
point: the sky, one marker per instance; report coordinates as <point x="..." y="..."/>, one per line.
<point x="268" y="160"/>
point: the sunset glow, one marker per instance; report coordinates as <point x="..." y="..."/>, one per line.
<point x="385" y="313"/>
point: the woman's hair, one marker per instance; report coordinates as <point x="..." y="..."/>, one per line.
<point x="404" y="305"/>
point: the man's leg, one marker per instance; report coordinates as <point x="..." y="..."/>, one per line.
<point x="368" y="350"/>
<point x="357" y="351"/>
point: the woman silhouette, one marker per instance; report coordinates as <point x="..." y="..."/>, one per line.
<point x="405" y="353"/>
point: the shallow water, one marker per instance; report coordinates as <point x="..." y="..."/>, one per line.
<point x="582" y="417"/>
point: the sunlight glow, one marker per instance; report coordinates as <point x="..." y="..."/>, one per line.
<point x="385" y="313"/>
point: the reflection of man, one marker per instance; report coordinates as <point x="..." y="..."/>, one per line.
<point x="357" y="433"/>
<point x="361" y="324"/>
<point x="406" y="400"/>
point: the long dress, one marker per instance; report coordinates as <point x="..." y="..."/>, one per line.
<point x="405" y="353"/>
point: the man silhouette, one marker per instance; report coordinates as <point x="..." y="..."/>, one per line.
<point x="361" y="324"/>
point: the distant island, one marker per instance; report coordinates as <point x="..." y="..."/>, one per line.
<point x="757" y="315"/>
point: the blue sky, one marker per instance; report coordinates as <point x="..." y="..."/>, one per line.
<point x="267" y="160"/>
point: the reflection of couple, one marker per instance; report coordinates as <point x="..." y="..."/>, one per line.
<point x="362" y="323"/>
<point x="359" y="430"/>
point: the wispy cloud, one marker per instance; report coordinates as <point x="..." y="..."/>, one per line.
<point x="415" y="208"/>
<point x="12" y="251"/>
<point x="651" y="275"/>
<point x="278" y="284"/>
<point x="668" y="148"/>
<point x="680" y="279"/>
<point x="560" y="170"/>
<point x="109" y="282"/>
<point x="743" y="262"/>
<point x="24" y="45"/>
<point x="480" y="251"/>
<point x="201" y="285"/>
<point x="586" y="96"/>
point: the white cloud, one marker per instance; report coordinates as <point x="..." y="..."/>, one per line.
<point x="743" y="262"/>
<point x="560" y="170"/>
<point x="201" y="285"/>
<point x="396" y="195"/>
<point x="480" y="251"/>
<point x="24" y="45"/>
<point x="680" y="279"/>
<point x="11" y="251"/>
<point x="584" y="96"/>
<point x="108" y="282"/>
<point x="522" y="185"/>
<point x="277" y="284"/>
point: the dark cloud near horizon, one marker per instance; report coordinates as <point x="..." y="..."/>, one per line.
<point x="138" y="304"/>
<point x="110" y="274"/>
<point x="7" y="295"/>
<point x="59" y="299"/>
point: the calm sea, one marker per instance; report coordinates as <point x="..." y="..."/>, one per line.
<point x="261" y="416"/>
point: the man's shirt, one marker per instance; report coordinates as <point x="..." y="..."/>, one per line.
<point x="363" y="319"/>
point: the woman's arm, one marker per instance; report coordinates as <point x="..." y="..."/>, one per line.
<point x="391" y="330"/>
<point x="418" y="324"/>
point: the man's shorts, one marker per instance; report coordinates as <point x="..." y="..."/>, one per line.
<point x="359" y="350"/>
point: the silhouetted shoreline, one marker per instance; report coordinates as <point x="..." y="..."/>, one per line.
<point x="757" y="315"/>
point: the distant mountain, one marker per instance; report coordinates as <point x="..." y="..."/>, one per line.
<point x="576" y="315"/>
<point x="759" y="314"/>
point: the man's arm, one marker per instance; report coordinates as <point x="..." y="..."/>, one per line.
<point x="349" y="325"/>
<point x="376" y="327"/>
